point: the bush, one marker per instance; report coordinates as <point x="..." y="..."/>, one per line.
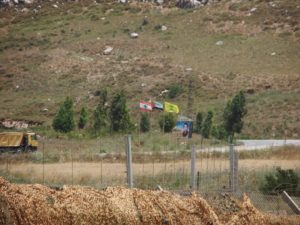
<point x="145" y="123"/>
<point x="199" y="121"/>
<point x="83" y="118"/>
<point x="282" y="180"/>
<point x="219" y="132"/>
<point x="174" y="91"/>
<point x="64" y="119"/>
<point x="167" y="122"/>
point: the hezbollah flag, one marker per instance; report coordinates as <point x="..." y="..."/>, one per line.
<point x="169" y="107"/>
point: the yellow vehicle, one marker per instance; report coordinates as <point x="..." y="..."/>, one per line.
<point x="18" y="142"/>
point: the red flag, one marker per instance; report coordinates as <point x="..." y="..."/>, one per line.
<point x="145" y="106"/>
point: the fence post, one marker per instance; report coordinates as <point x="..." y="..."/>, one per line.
<point x="233" y="160"/>
<point x="193" y="168"/>
<point x="128" y="160"/>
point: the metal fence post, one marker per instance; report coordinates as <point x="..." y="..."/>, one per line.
<point x="128" y="161"/>
<point x="193" y="168"/>
<point x="233" y="176"/>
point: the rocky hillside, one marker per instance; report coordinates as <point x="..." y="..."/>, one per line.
<point x="51" y="49"/>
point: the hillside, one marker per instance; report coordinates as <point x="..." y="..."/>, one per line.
<point x="52" y="50"/>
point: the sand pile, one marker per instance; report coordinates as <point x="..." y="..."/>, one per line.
<point x="38" y="204"/>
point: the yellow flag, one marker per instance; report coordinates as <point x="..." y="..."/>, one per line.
<point x="171" y="107"/>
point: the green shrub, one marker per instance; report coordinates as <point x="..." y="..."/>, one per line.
<point x="174" y="91"/>
<point x="281" y="180"/>
<point x="167" y="122"/>
<point x="145" y="123"/>
<point x="64" y="119"/>
<point x="83" y="118"/>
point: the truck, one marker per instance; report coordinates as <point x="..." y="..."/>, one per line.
<point x="18" y="142"/>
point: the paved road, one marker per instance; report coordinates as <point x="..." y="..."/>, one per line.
<point x="246" y="145"/>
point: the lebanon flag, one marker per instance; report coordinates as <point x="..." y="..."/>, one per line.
<point x="146" y="106"/>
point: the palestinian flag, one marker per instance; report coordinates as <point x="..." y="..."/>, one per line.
<point x="145" y="106"/>
<point x="158" y="105"/>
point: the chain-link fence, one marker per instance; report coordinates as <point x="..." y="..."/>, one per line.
<point x="156" y="161"/>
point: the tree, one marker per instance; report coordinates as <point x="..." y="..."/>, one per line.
<point x="100" y="113"/>
<point x="64" y="119"/>
<point x="207" y="123"/>
<point x="119" y="115"/>
<point x="233" y="115"/>
<point x="199" y="121"/>
<point x="83" y="118"/>
<point x="281" y="180"/>
<point x="167" y="122"/>
<point x="219" y="132"/>
<point x="145" y="123"/>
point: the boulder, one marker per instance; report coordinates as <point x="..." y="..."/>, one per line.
<point x="134" y="35"/>
<point x="107" y="50"/>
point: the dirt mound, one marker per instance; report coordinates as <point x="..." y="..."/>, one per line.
<point x="38" y="204"/>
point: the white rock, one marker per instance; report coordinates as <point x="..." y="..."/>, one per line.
<point x="98" y="38"/>
<point x="28" y="1"/>
<point x="143" y="85"/>
<point x="17" y="86"/>
<point x="55" y="6"/>
<point x="219" y="43"/>
<point x="164" y="28"/>
<point x="107" y="50"/>
<point x="253" y="9"/>
<point x="134" y="35"/>
<point x="25" y="10"/>
<point x="273" y="53"/>
<point x="35" y="11"/>
<point x="102" y="18"/>
<point x="45" y="110"/>
<point x="160" y="2"/>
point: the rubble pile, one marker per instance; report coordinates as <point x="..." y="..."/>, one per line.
<point x="38" y="204"/>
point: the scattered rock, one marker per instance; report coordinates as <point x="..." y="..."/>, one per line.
<point x="272" y="4"/>
<point x="107" y="50"/>
<point x="160" y="2"/>
<point x="191" y="3"/>
<point x="134" y="35"/>
<point x="25" y="10"/>
<point x="143" y="85"/>
<point x="273" y="53"/>
<point x="253" y="10"/>
<point x="55" y="6"/>
<point x="219" y="43"/>
<point x="17" y="86"/>
<point x="44" y="110"/>
<point x="14" y="124"/>
<point x="164" y="28"/>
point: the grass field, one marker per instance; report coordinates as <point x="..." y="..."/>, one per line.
<point x="169" y="171"/>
